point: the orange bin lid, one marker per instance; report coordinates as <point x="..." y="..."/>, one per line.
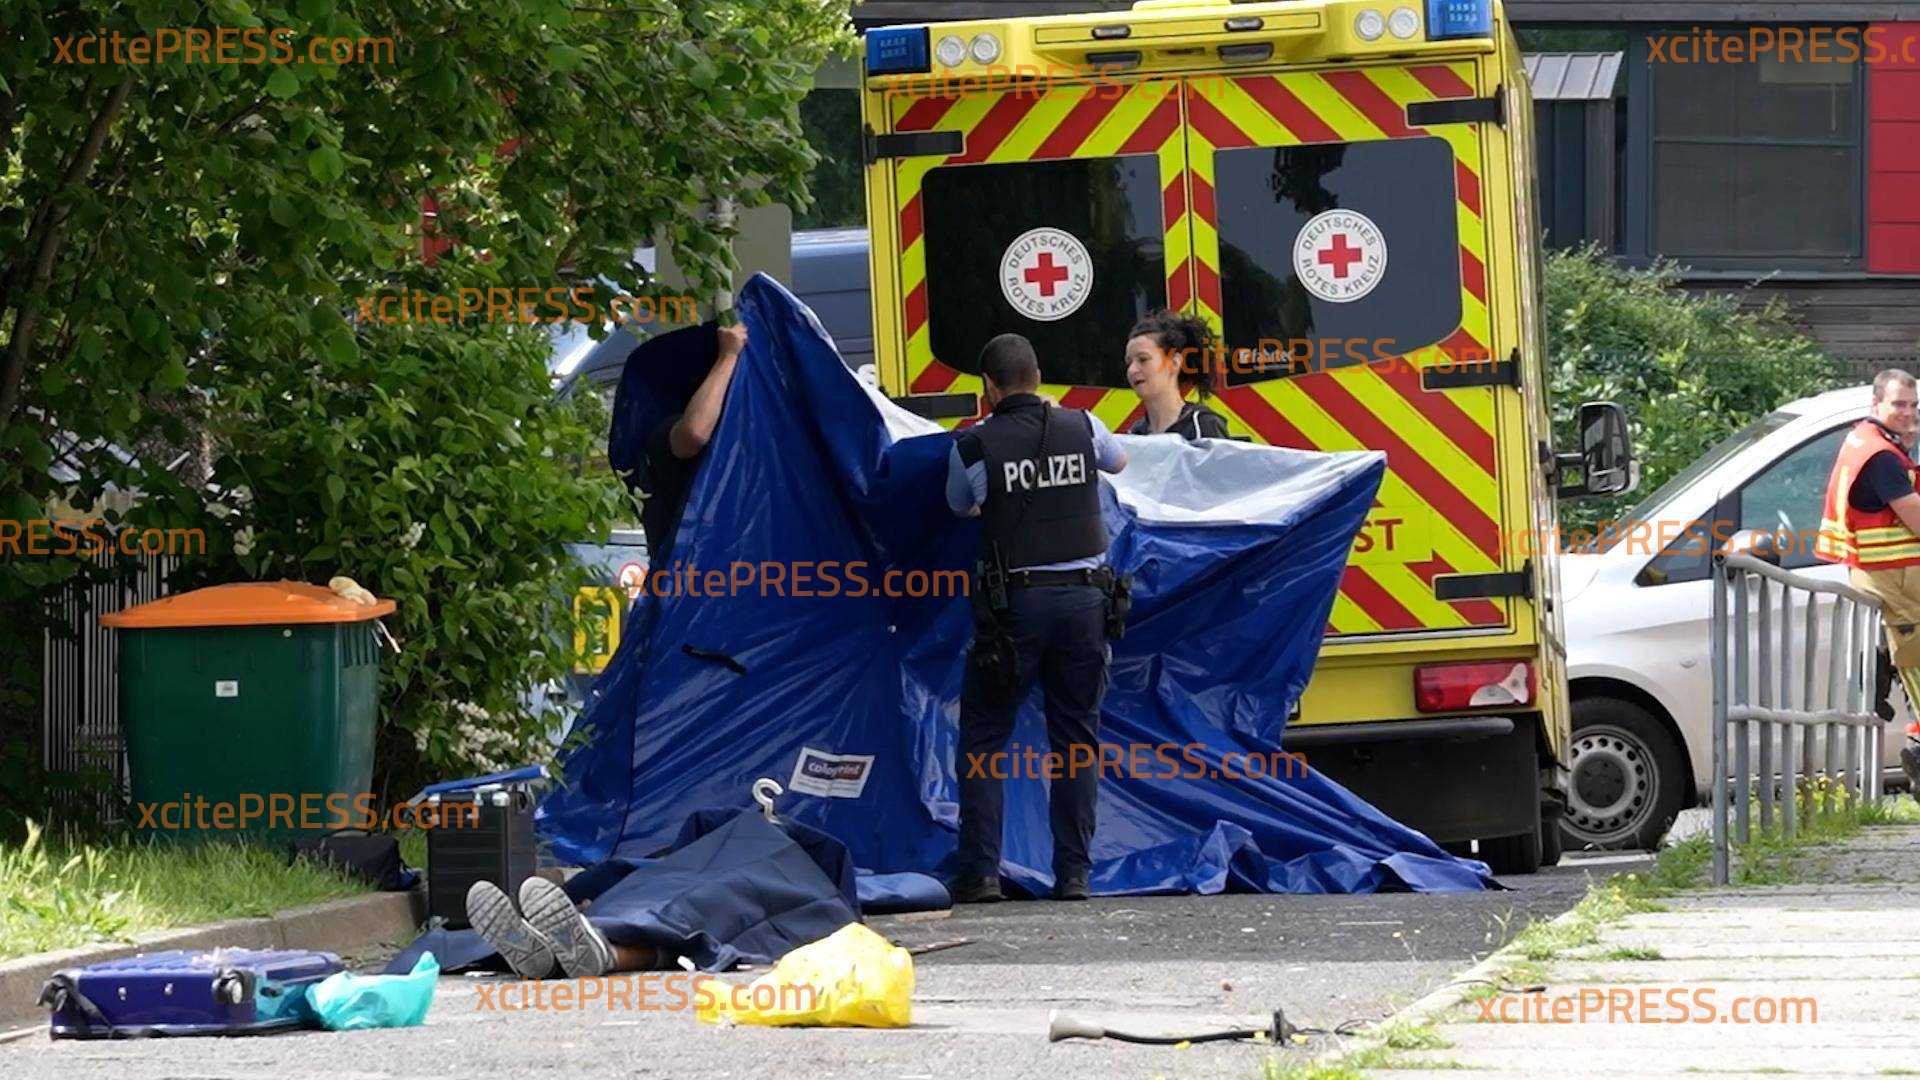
<point x="251" y="603"/>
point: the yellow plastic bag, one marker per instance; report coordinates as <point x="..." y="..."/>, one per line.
<point x="855" y="978"/>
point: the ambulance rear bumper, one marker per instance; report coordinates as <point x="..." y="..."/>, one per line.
<point x="1453" y="778"/>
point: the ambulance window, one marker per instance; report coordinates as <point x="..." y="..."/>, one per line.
<point x="1337" y="253"/>
<point x="1068" y="253"/>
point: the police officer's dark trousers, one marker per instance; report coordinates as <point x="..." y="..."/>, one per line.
<point x="1060" y="633"/>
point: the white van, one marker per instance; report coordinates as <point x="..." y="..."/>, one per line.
<point x="1637" y="613"/>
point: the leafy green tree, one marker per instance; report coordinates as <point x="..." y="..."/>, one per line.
<point x="434" y="467"/>
<point x="1690" y="369"/>
<point x="183" y="244"/>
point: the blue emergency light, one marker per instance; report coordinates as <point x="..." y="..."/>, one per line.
<point x="898" y="50"/>
<point x="1459" y="19"/>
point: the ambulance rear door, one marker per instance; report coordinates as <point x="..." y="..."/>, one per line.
<point x="1055" y="210"/>
<point x="1349" y="248"/>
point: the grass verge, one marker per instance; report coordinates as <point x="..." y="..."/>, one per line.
<point x="59" y="895"/>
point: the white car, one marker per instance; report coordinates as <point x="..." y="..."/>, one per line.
<point x="1638" y="665"/>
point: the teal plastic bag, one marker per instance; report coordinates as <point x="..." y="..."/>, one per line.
<point x="347" y="1002"/>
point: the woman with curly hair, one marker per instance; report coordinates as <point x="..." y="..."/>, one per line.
<point x="1168" y="357"/>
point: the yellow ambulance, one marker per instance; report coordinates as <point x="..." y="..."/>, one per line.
<point x="1345" y="190"/>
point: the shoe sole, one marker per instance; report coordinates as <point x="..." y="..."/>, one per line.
<point x="579" y="948"/>
<point x="493" y="916"/>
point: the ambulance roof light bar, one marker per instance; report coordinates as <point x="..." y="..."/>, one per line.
<point x="898" y="50"/>
<point x="1449" y="19"/>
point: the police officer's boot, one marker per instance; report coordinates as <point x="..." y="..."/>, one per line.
<point x="976" y="891"/>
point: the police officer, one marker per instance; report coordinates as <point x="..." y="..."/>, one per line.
<point x="1042" y="606"/>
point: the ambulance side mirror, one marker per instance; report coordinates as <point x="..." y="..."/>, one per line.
<point x="1605" y="459"/>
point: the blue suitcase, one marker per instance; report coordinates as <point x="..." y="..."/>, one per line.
<point x="222" y="992"/>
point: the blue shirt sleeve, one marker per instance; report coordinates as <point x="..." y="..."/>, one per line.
<point x="1107" y="455"/>
<point x="966" y="486"/>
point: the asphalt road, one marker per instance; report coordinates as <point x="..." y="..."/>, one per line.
<point x="1159" y="965"/>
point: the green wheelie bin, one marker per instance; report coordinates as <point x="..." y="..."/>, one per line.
<point x="249" y="709"/>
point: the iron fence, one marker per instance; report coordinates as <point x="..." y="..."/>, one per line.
<point x="80" y="702"/>
<point x="1823" y="725"/>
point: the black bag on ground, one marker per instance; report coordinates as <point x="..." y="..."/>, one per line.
<point x="370" y="857"/>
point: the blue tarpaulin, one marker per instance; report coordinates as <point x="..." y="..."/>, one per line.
<point x="851" y="699"/>
<point x="732" y="888"/>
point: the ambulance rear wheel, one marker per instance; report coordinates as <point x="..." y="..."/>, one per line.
<point x="1516" y="854"/>
<point x="1552" y="846"/>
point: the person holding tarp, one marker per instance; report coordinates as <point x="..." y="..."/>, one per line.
<point x="1168" y="357"/>
<point x="1870" y="521"/>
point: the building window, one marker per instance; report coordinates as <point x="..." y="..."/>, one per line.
<point x="1751" y="162"/>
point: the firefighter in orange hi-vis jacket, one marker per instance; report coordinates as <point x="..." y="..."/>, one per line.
<point x="1871" y="522"/>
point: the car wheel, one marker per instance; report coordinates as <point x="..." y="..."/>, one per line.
<point x="1629" y="779"/>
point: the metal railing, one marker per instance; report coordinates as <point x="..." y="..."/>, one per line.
<point x="80" y="704"/>
<point x="1759" y="703"/>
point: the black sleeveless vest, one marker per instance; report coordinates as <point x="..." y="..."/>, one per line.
<point x="1060" y="488"/>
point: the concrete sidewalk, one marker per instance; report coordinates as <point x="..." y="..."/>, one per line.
<point x="1821" y="978"/>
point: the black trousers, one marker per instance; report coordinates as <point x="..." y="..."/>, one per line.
<point x="1060" y="633"/>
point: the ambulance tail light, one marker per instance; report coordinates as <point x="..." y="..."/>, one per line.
<point x="898" y="50"/>
<point x="1459" y="19"/>
<point x="1474" y="685"/>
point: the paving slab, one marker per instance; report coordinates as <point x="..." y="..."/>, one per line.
<point x="1816" y="978"/>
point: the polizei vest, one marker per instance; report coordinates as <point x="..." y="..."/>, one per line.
<point x="1057" y="484"/>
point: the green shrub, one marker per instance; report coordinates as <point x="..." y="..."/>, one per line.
<point x="434" y="466"/>
<point x="1689" y="369"/>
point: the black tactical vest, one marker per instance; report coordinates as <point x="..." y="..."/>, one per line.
<point x="1058" y="485"/>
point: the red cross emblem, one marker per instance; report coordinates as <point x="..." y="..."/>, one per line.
<point x="1339" y="255"/>
<point x="1045" y="274"/>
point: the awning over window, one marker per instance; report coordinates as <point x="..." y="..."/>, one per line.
<point x="1573" y="76"/>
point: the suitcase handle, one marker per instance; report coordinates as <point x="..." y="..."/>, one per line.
<point x="63" y="990"/>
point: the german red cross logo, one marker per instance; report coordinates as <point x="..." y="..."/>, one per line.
<point x="1340" y="256"/>
<point x="1046" y="274"/>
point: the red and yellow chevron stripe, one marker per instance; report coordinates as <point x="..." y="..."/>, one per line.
<point x="1053" y="122"/>
<point x="1442" y="485"/>
<point x="1442" y="465"/>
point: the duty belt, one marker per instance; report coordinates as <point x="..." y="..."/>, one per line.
<point x="1033" y="579"/>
